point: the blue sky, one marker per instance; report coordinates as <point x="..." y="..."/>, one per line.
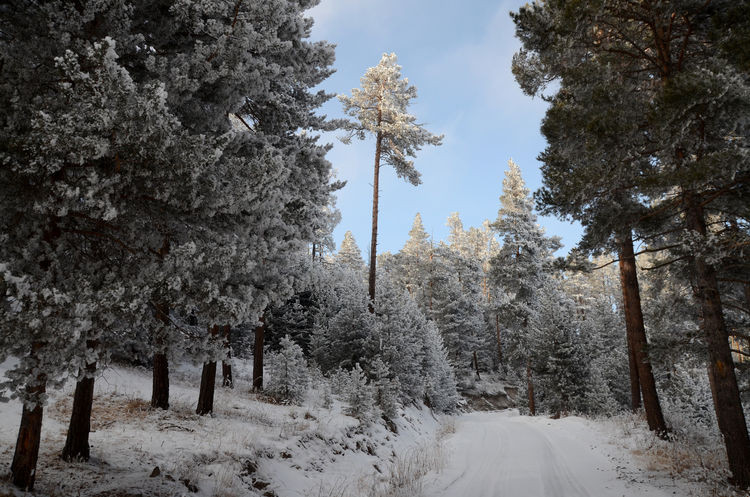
<point x="458" y="55"/>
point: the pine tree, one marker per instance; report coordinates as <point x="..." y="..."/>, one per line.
<point x="556" y="352"/>
<point x="664" y="105"/>
<point x="148" y="201"/>
<point x="415" y="261"/>
<point x="349" y="254"/>
<point x="518" y="270"/>
<point x="440" y="383"/>
<point x="343" y="329"/>
<point x="288" y="374"/>
<point x="360" y="397"/>
<point x="379" y="108"/>
<point x="457" y="311"/>
<point x="387" y="388"/>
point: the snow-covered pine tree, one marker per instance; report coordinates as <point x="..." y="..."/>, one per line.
<point x="480" y="245"/>
<point x="556" y="352"/>
<point x="400" y="331"/>
<point x="412" y="348"/>
<point x="343" y="331"/>
<point x="288" y="373"/>
<point x="360" y="397"/>
<point x="349" y="254"/>
<point x="456" y="233"/>
<point x="142" y="193"/>
<point x="323" y="243"/>
<point x="518" y="270"/>
<point x="457" y="309"/>
<point x="598" y="313"/>
<point x="415" y="262"/>
<point x="387" y="388"/>
<point x="379" y="108"/>
<point x="440" y="381"/>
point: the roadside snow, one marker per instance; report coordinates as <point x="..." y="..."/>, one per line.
<point x="249" y="447"/>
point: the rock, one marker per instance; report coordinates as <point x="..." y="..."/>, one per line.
<point x="156" y="472"/>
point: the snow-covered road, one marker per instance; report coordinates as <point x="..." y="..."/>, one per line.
<point x="507" y="455"/>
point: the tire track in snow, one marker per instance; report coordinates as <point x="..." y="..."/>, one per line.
<point x="505" y="455"/>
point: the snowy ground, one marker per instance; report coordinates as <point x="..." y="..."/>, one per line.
<point x="503" y="454"/>
<point x="251" y="447"/>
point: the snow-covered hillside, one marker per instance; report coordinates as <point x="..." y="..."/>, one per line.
<point x="249" y="447"/>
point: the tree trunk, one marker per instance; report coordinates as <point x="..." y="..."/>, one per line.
<point x="530" y="389"/>
<point x="635" y="383"/>
<point x="160" y="386"/>
<point x="726" y="395"/>
<point x="499" y="342"/>
<point x="226" y="365"/>
<point x="636" y="330"/>
<point x="374" y="238"/>
<point x="260" y="331"/>
<point x="476" y="365"/>
<point x="208" y="383"/>
<point x="23" y="468"/>
<point x="77" y="441"/>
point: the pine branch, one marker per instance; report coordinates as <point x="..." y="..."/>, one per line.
<point x="667" y="263"/>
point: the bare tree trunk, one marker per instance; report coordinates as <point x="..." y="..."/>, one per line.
<point x="208" y="383"/>
<point x="530" y="389"/>
<point x="260" y="332"/>
<point x="726" y="395"/>
<point x="635" y="383"/>
<point x="77" y="441"/>
<point x="499" y="342"/>
<point x="226" y="365"/>
<point x="160" y="385"/>
<point x="23" y="468"/>
<point x="374" y="238"/>
<point x="636" y="330"/>
<point x="375" y="197"/>
<point x="476" y="365"/>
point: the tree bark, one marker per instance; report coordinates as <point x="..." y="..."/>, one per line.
<point x="23" y="468"/>
<point x="208" y="383"/>
<point x="635" y="383"/>
<point x="374" y="238"/>
<point x="530" y="389"/>
<point x="77" y="441"/>
<point x="160" y="385"/>
<point x="260" y="332"/>
<point x="726" y="395"/>
<point x="636" y="330"/>
<point x="476" y="365"/>
<point x="499" y="342"/>
<point x="226" y="365"/>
